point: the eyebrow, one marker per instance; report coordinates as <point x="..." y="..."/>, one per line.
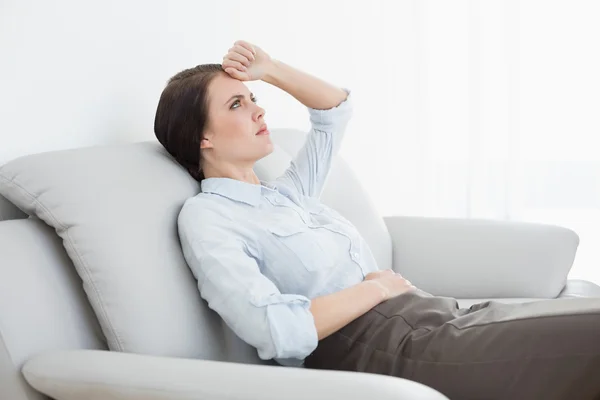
<point x="238" y="97"/>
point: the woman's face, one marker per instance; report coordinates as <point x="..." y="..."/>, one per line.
<point x="234" y="123"/>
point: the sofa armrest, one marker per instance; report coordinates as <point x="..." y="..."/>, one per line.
<point x="580" y="288"/>
<point x="99" y="375"/>
<point x="477" y="258"/>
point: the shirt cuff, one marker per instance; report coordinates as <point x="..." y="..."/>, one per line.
<point x="291" y="324"/>
<point x="327" y="119"/>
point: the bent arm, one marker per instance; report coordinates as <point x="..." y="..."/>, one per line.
<point x="307" y="89"/>
<point x="310" y="167"/>
<point x="279" y="325"/>
<point x="334" y="311"/>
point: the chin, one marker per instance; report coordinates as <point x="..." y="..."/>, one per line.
<point x="268" y="150"/>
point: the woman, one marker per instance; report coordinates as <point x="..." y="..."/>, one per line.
<point x="295" y="280"/>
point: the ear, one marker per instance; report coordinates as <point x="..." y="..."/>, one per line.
<point x="206" y="144"/>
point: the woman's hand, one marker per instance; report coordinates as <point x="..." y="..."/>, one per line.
<point x="246" y="62"/>
<point x="392" y="284"/>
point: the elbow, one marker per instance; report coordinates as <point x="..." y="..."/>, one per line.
<point x="288" y="350"/>
<point x="289" y="330"/>
<point x="292" y="336"/>
<point x="296" y="342"/>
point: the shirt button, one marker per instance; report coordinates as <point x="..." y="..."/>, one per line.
<point x="354" y="255"/>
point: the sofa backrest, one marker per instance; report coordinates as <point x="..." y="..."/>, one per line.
<point x="115" y="209"/>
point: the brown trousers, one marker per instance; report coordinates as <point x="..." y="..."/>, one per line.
<point x="548" y="349"/>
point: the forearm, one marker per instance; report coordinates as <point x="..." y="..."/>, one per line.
<point x="336" y="310"/>
<point x="307" y="89"/>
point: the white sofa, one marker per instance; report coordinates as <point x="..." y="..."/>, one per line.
<point x="96" y="301"/>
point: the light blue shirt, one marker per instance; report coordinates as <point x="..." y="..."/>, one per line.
<point x="260" y="253"/>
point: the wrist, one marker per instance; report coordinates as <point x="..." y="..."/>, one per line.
<point x="271" y="72"/>
<point x="383" y="291"/>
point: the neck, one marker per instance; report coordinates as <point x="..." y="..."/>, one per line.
<point x="240" y="173"/>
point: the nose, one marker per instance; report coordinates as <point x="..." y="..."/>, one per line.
<point x="260" y="112"/>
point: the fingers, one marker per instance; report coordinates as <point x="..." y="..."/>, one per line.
<point x="238" y="59"/>
<point x="243" y="51"/>
<point x="245" y="45"/>
<point x="235" y="56"/>
<point x="236" y="74"/>
<point x="227" y="63"/>
<point x="389" y="273"/>
<point x="406" y="281"/>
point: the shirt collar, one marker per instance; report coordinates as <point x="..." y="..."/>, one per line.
<point x="234" y="189"/>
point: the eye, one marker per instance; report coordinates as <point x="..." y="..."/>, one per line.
<point x="237" y="103"/>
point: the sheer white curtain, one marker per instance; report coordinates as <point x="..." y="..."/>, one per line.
<point x="475" y="109"/>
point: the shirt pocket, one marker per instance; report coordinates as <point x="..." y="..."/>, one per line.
<point x="308" y="246"/>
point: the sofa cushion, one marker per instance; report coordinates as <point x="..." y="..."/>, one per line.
<point x="116" y="207"/>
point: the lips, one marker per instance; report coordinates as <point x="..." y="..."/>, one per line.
<point x="263" y="130"/>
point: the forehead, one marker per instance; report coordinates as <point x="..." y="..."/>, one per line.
<point x="223" y="87"/>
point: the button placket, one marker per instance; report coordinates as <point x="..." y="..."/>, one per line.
<point x="355" y="248"/>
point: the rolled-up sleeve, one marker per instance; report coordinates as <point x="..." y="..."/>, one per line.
<point x="310" y="168"/>
<point x="279" y="326"/>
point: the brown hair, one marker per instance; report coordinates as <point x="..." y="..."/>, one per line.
<point x="182" y="115"/>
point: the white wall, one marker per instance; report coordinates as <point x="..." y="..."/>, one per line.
<point x="76" y="73"/>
